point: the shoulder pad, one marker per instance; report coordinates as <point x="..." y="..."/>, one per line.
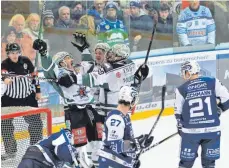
<point x="107" y="67"/>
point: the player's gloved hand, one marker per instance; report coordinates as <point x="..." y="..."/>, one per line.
<point x="80" y="41"/>
<point x="179" y="128"/>
<point x="137" y="164"/>
<point x="141" y="73"/>
<point x="67" y="80"/>
<point x="143" y="141"/>
<point x="219" y="111"/>
<point x="41" y="46"/>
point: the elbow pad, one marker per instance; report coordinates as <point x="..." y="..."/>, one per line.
<point x="67" y="80"/>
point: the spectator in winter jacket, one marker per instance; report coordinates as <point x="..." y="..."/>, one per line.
<point x="65" y="20"/>
<point x="112" y="30"/>
<point x="32" y="25"/>
<point x="24" y="40"/>
<point x="9" y="37"/>
<point x="138" y="20"/>
<point x="165" y="20"/>
<point x="77" y="12"/>
<point x="140" y="24"/>
<point x="48" y="19"/>
<point x="97" y="11"/>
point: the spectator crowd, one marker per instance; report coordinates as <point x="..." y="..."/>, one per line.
<point x="130" y="22"/>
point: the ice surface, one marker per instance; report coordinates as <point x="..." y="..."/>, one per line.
<point x="166" y="155"/>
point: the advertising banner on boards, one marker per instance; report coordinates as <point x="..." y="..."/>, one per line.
<point x="165" y="70"/>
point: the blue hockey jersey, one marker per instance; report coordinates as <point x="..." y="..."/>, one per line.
<point x="196" y="27"/>
<point x="118" y="129"/>
<point x="196" y="105"/>
<point x="56" y="148"/>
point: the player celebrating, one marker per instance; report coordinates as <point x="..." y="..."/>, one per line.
<point x="116" y="72"/>
<point x="197" y="116"/>
<point x="80" y="117"/>
<point x="119" y="145"/>
<point x="51" y="152"/>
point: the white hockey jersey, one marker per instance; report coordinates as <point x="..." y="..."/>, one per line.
<point x="110" y="79"/>
<point x="76" y="93"/>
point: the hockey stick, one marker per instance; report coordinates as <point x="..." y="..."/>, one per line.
<point x="40" y="31"/>
<point x="70" y="148"/>
<point x="31" y="77"/>
<point x="150" y="43"/>
<point x="160" y="142"/>
<point x="158" y="117"/>
<point x="147" y="55"/>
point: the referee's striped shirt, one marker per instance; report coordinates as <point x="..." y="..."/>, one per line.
<point x="21" y="87"/>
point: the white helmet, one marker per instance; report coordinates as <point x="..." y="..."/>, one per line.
<point x="128" y="94"/>
<point x="118" y="52"/>
<point x="102" y="46"/>
<point x="190" y="66"/>
<point x="60" y="56"/>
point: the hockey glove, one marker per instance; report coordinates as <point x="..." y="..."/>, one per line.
<point x="80" y="41"/>
<point x="141" y="73"/>
<point x="41" y="46"/>
<point x="143" y="141"/>
<point x="67" y="80"/>
<point x="179" y="127"/>
<point x="137" y="164"/>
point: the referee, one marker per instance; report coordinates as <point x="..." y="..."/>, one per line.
<point x="21" y="91"/>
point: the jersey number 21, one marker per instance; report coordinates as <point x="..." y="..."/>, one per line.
<point x="199" y="101"/>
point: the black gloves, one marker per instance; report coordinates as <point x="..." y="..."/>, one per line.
<point x="179" y="127"/>
<point x="41" y="46"/>
<point x="67" y="80"/>
<point x="141" y="73"/>
<point x="80" y="41"/>
<point x="143" y="141"/>
<point x="137" y="164"/>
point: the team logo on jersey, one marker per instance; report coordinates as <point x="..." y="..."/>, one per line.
<point x="25" y="66"/>
<point x="107" y="27"/>
<point x="189" y="24"/>
<point x="82" y="92"/>
<point x="118" y="75"/>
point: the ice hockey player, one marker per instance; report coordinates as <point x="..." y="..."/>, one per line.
<point x="119" y="145"/>
<point x="197" y="117"/>
<point x="80" y="117"/>
<point x="94" y="65"/>
<point x="116" y="72"/>
<point x="52" y="152"/>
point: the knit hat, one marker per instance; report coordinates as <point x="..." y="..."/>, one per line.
<point x="9" y="30"/>
<point x="111" y="5"/>
<point x="135" y="4"/>
<point x="48" y="14"/>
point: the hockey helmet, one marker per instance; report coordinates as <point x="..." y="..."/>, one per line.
<point x="118" y="52"/>
<point x="12" y="47"/>
<point x="190" y="66"/>
<point x="128" y="94"/>
<point x="102" y="46"/>
<point x="59" y="57"/>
